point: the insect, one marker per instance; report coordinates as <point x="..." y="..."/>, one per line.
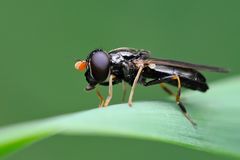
<point x="133" y="66"/>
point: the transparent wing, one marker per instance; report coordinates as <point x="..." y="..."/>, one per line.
<point x="184" y="65"/>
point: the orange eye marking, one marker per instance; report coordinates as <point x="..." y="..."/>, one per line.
<point x="81" y="65"/>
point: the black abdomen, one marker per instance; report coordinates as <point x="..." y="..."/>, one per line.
<point x="191" y="84"/>
<point x="190" y="78"/>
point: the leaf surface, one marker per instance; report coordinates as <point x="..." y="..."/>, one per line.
<point x="216" y="113"/>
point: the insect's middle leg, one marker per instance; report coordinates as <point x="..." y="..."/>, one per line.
<point x="134" y="85"/>
<point x="166" y="89"/>
<point x="179" y="103"/>
<point x="110" y="91"/>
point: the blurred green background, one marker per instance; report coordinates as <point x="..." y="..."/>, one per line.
<point x="40" y="41"/>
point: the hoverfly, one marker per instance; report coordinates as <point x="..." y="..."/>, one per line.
<point x="133" y="66"/>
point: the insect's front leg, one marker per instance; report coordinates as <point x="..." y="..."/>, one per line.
<point x="100" y="97"/>
<point x="110" y="91"/>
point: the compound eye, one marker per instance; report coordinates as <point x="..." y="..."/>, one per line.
<point x="100" y="64"/>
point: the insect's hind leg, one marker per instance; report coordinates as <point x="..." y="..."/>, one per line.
<point x="162" y="85"/>
<point x="178" y="95"/>
<point x="179" y="103"/>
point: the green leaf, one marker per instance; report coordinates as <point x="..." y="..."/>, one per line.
<point x="216" y="113"/>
